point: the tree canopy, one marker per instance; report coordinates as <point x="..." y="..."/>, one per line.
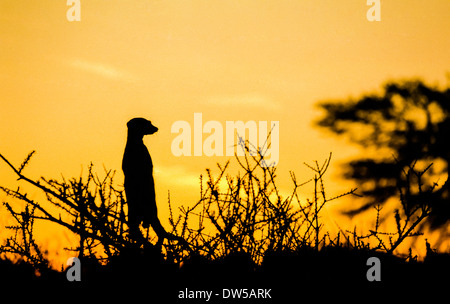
<point x="408" y="125"/>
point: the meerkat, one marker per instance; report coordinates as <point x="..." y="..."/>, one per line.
<point x="139" y="184"/>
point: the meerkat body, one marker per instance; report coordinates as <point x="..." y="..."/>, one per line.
<point x="139" y="184"/>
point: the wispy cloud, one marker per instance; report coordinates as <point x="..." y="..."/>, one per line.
<point x="101" y="69"/>
<point x="245" y="100"/>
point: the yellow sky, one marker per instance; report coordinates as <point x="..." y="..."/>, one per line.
<point x="68" y="88"/>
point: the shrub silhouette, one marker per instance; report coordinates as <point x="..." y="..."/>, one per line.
<point x="240" y="224"/>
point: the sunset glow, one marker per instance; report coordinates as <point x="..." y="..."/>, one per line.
<point x="69" y="87"/>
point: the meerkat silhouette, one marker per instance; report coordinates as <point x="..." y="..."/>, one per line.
<point x="139" y="184"/>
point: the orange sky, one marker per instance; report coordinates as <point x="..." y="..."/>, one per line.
<point x="68" y="88"/>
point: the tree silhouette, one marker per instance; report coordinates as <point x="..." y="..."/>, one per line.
<point x="408" y="125"/>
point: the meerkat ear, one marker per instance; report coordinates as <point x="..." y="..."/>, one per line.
<point x="130" y="123"/>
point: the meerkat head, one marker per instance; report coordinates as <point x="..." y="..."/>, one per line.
<point x="140" y="127"/>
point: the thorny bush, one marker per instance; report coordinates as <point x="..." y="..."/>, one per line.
<point x="244" y="213"/>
